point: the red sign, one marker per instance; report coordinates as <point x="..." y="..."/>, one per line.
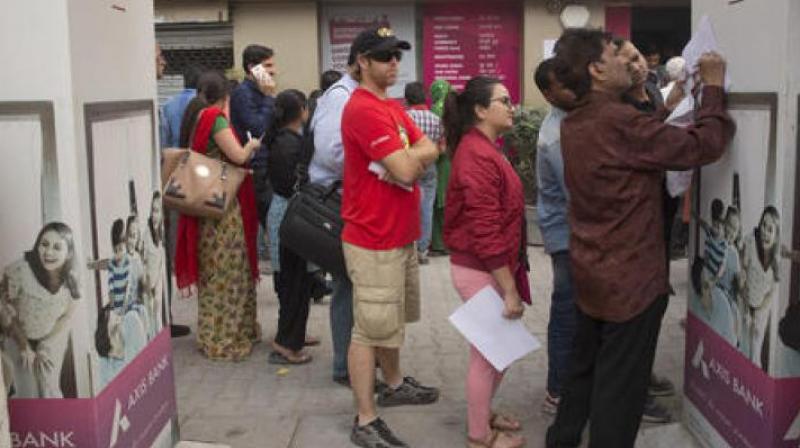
<point x="463" y="40"/>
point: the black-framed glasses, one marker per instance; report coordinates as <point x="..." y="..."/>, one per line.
<point x="385" y="55"/>
<point x="505" y="101"/>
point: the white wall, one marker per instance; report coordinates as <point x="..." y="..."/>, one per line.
<point x="70" y="53"/>
<point x="171" y="11"/>
<point x="5" y="439"/>
<point x="37" y="67"/>
<point x="761" y="45"/>
<point x="289" y="28"/>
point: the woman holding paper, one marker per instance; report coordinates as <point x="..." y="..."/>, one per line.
<point x="484" y="219"/>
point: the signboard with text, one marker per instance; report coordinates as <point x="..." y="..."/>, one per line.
<point x="463" y="40"/>
<point x="130" y="412"/>
<point x="341" y="24"/>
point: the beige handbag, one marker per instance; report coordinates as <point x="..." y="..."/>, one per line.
<point x="197" y="185"/>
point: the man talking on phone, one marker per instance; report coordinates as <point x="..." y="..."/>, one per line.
<point x="252" y="108"/>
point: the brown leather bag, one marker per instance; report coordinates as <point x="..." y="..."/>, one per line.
<point x="197" y="185"/>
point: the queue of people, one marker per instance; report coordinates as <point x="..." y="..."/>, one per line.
<point x="444" y="184"/>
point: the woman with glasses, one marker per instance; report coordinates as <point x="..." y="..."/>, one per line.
<point x="483" y="230"/>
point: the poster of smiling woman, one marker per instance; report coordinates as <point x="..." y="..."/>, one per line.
<point x="38" y="295"/>
<point x="40" y="289"/>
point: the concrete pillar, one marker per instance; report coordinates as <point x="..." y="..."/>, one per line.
<point x="79" y="148"/>
<point x="743" y="379"/>
<point x="5" y="439"/>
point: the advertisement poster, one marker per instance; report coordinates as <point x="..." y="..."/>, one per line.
<point x="127" y="262"/>
<point x="341" y="24"/>
<point x="43" y="355"/>
<point x="737" y="380"/>
<point x="131" y="412"/>
<point x="463" y="40"/>
<point x="85" y="357"/>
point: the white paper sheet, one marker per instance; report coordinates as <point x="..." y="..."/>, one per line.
<point x="380" y="171"/>
<point x="501" y="341"/>
<point x="703" y="41"/>
<point x="548" y="49"/>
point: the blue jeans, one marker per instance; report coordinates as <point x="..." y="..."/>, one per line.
<point x="341" y="314"/>
<point x="561" y="328"/>
<point x="427" y="183"/>
<point x="277" y="210"/>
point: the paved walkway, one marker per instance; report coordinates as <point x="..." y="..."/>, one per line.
<point x="254" y="404"/>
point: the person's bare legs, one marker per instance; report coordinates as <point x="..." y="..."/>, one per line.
<point x="361" y="365"/>
<point x="389" y="360"/>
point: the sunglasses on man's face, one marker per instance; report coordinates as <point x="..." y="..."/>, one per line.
<point x="386" y="55"/>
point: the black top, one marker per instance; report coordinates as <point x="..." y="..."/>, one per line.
<point x="285" y="154"/>
<point x="655" y="100"/>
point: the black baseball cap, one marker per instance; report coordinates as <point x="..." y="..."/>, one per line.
<point x="375" y="39"/>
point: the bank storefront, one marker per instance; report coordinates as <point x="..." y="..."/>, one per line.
<point x="452" y="40"/>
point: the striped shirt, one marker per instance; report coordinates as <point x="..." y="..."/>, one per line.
<point x="715" y="248"/>
<point x="118" y="281"/>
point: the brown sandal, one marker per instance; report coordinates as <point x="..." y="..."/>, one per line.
<point x="504" y="422"/>
<point x="497" y="439"/>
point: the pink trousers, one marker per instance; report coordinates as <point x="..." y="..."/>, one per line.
<point x="482" y="377"/>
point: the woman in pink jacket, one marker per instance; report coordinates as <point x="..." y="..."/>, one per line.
<point x="484" y="219"/>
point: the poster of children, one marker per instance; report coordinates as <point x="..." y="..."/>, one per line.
<point x="736" y="279"/>
<point x="740" y="258"/>
<point x="129" y="256"/>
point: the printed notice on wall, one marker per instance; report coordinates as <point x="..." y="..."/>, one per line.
<point x="465" y="40"/>
<point x="341" y="24"/>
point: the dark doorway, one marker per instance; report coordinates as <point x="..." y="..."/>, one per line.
<point x="665" y="29"/>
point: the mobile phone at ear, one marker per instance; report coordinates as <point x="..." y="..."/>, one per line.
<point x="259" y="72"/>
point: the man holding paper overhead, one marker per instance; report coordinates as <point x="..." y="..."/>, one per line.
<point x="384" y="154"/>
<point x="614" y="160"/>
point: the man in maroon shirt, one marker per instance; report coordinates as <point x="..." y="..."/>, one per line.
<point x="614" y="163"/>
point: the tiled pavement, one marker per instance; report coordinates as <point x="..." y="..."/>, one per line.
<point x="253" y="404"/>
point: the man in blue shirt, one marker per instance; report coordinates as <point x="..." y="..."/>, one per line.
<point x="252" y="106"/>
<point x="327" y="167"/>
<point x="173" y="109"/>
<point x="551" y="209"/>
<point x="170" y="131"/>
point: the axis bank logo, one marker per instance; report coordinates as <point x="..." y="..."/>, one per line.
<point x="42" y="439"/>
<point x="121" y="424"/>
<point x="699" y="363"/>
<point x="794" y="431"/>
<point x="713" y="369"/>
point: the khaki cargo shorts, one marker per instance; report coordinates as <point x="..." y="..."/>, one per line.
<point x="385" y="293"/>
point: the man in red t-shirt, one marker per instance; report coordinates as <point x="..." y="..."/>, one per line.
<point x="384" y="154"/>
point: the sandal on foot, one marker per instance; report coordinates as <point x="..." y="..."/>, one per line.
<point x="311" y="341"/>
<point x="497" y="439"/>
<point x="504" y="422"/>
<point x="281" y="359"/>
